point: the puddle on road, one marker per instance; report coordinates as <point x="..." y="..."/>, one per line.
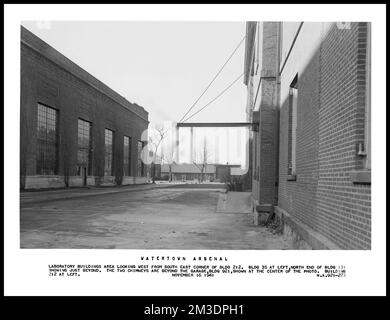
<point x="204" y="234"/>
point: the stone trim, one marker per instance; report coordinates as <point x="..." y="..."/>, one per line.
<point x="360" y="176"/>
<point x="292" y="177"/>
<point x="53" y="181"/>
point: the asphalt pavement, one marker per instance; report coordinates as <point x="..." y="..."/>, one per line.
<point x="143" y="217"/>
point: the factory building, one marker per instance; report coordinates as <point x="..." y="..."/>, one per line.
<point x="74" y="130"/>
<point x="308" y="87"/>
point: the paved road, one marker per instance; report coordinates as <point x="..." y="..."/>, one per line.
<point x="159" y="218"/>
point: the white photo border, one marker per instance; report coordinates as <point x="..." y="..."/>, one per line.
<point x="26" y="270"/>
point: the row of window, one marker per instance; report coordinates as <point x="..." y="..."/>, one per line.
<point x="47" y="147"/>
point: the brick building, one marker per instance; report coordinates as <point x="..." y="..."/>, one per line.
<point x="188" y="172"/>
<point x="193" y="172"/>
<point x="308" y="89"/>
<point x="74" y="130"/>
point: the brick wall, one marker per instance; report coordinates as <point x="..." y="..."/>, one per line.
<point x="268" y="142"/>
<point x="265" y="98"/>
<point x="47" y="79"/>
<point x="344" y="208"/>
<point x="331" y="120"/>
<point x="298" y="197"/>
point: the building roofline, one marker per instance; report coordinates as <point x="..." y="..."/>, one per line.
<point x="37" y="44"/>
<point x="193" y="168"/>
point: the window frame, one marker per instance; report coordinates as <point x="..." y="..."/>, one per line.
<point x="363" y="174"/>
<point x="111" y="169"/>
<point x="89" y="148"/>
<point x="42" y="144"/>
<point x="292" y="129"/>
<point x="367" y="127"/>
<point x="128" y="156"/>
<point x="140" y="164"/>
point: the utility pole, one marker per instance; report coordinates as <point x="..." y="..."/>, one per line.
<point x="192" y="145"/>
<point x="177" y="144"/>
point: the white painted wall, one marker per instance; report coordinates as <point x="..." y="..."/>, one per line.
<point x="308" y="41"/>
<point x="289" y="30"/>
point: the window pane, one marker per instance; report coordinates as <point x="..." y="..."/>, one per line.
<point x="47" y="141"/>
<point x="292" y="126"/>
<point x="84" y="151"/>
<point x="108" y="139"/>
<point x="294" y="129"/>
<point x="126" y="156"/>
<point x="140" y="164"/>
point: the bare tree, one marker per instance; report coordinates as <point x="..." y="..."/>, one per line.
<point x="167" y="156"/>
<point x="155" y="141"/>
<point x="203" y="159"/>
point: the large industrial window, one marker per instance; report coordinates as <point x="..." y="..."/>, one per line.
<point x="140" y="164"/>
<point x="127" y="156"/>
<point x="84" y="150"/>
<point x="108" y="154"/>
<point x="47" y="141"/>
<point x="292" y="128"/>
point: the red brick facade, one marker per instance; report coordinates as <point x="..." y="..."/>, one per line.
<point x="264" y="102"/>
<point x="328" y="200"/>
<point x="49" y="78"/>
<point x="344" y="207"/>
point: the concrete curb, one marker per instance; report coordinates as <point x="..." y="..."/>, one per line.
<point x="82" y="195"/>
<point x="94" y="194"/>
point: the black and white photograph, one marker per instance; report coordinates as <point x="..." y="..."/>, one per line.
<point x="165" y="138"/>
<point x="287" y="149"/>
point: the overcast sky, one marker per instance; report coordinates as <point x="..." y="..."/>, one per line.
<point x="162" y="66"/>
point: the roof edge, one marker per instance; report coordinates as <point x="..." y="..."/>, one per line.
<point x="37" y="44"/>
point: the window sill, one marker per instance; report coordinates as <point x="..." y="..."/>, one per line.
<point x="292" y="177"/>
<point x="360" y="176"/>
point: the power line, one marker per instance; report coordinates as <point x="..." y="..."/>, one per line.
<point x="220" y="94"/>
<point x="215" y="77"/>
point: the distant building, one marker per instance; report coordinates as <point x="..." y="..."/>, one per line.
<point x="309" y="92"/>
<point x="223" y="172"/>
<point x="74" y="130"/>
<point x="193" y="172"/>
<point x="188" y="172"/>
